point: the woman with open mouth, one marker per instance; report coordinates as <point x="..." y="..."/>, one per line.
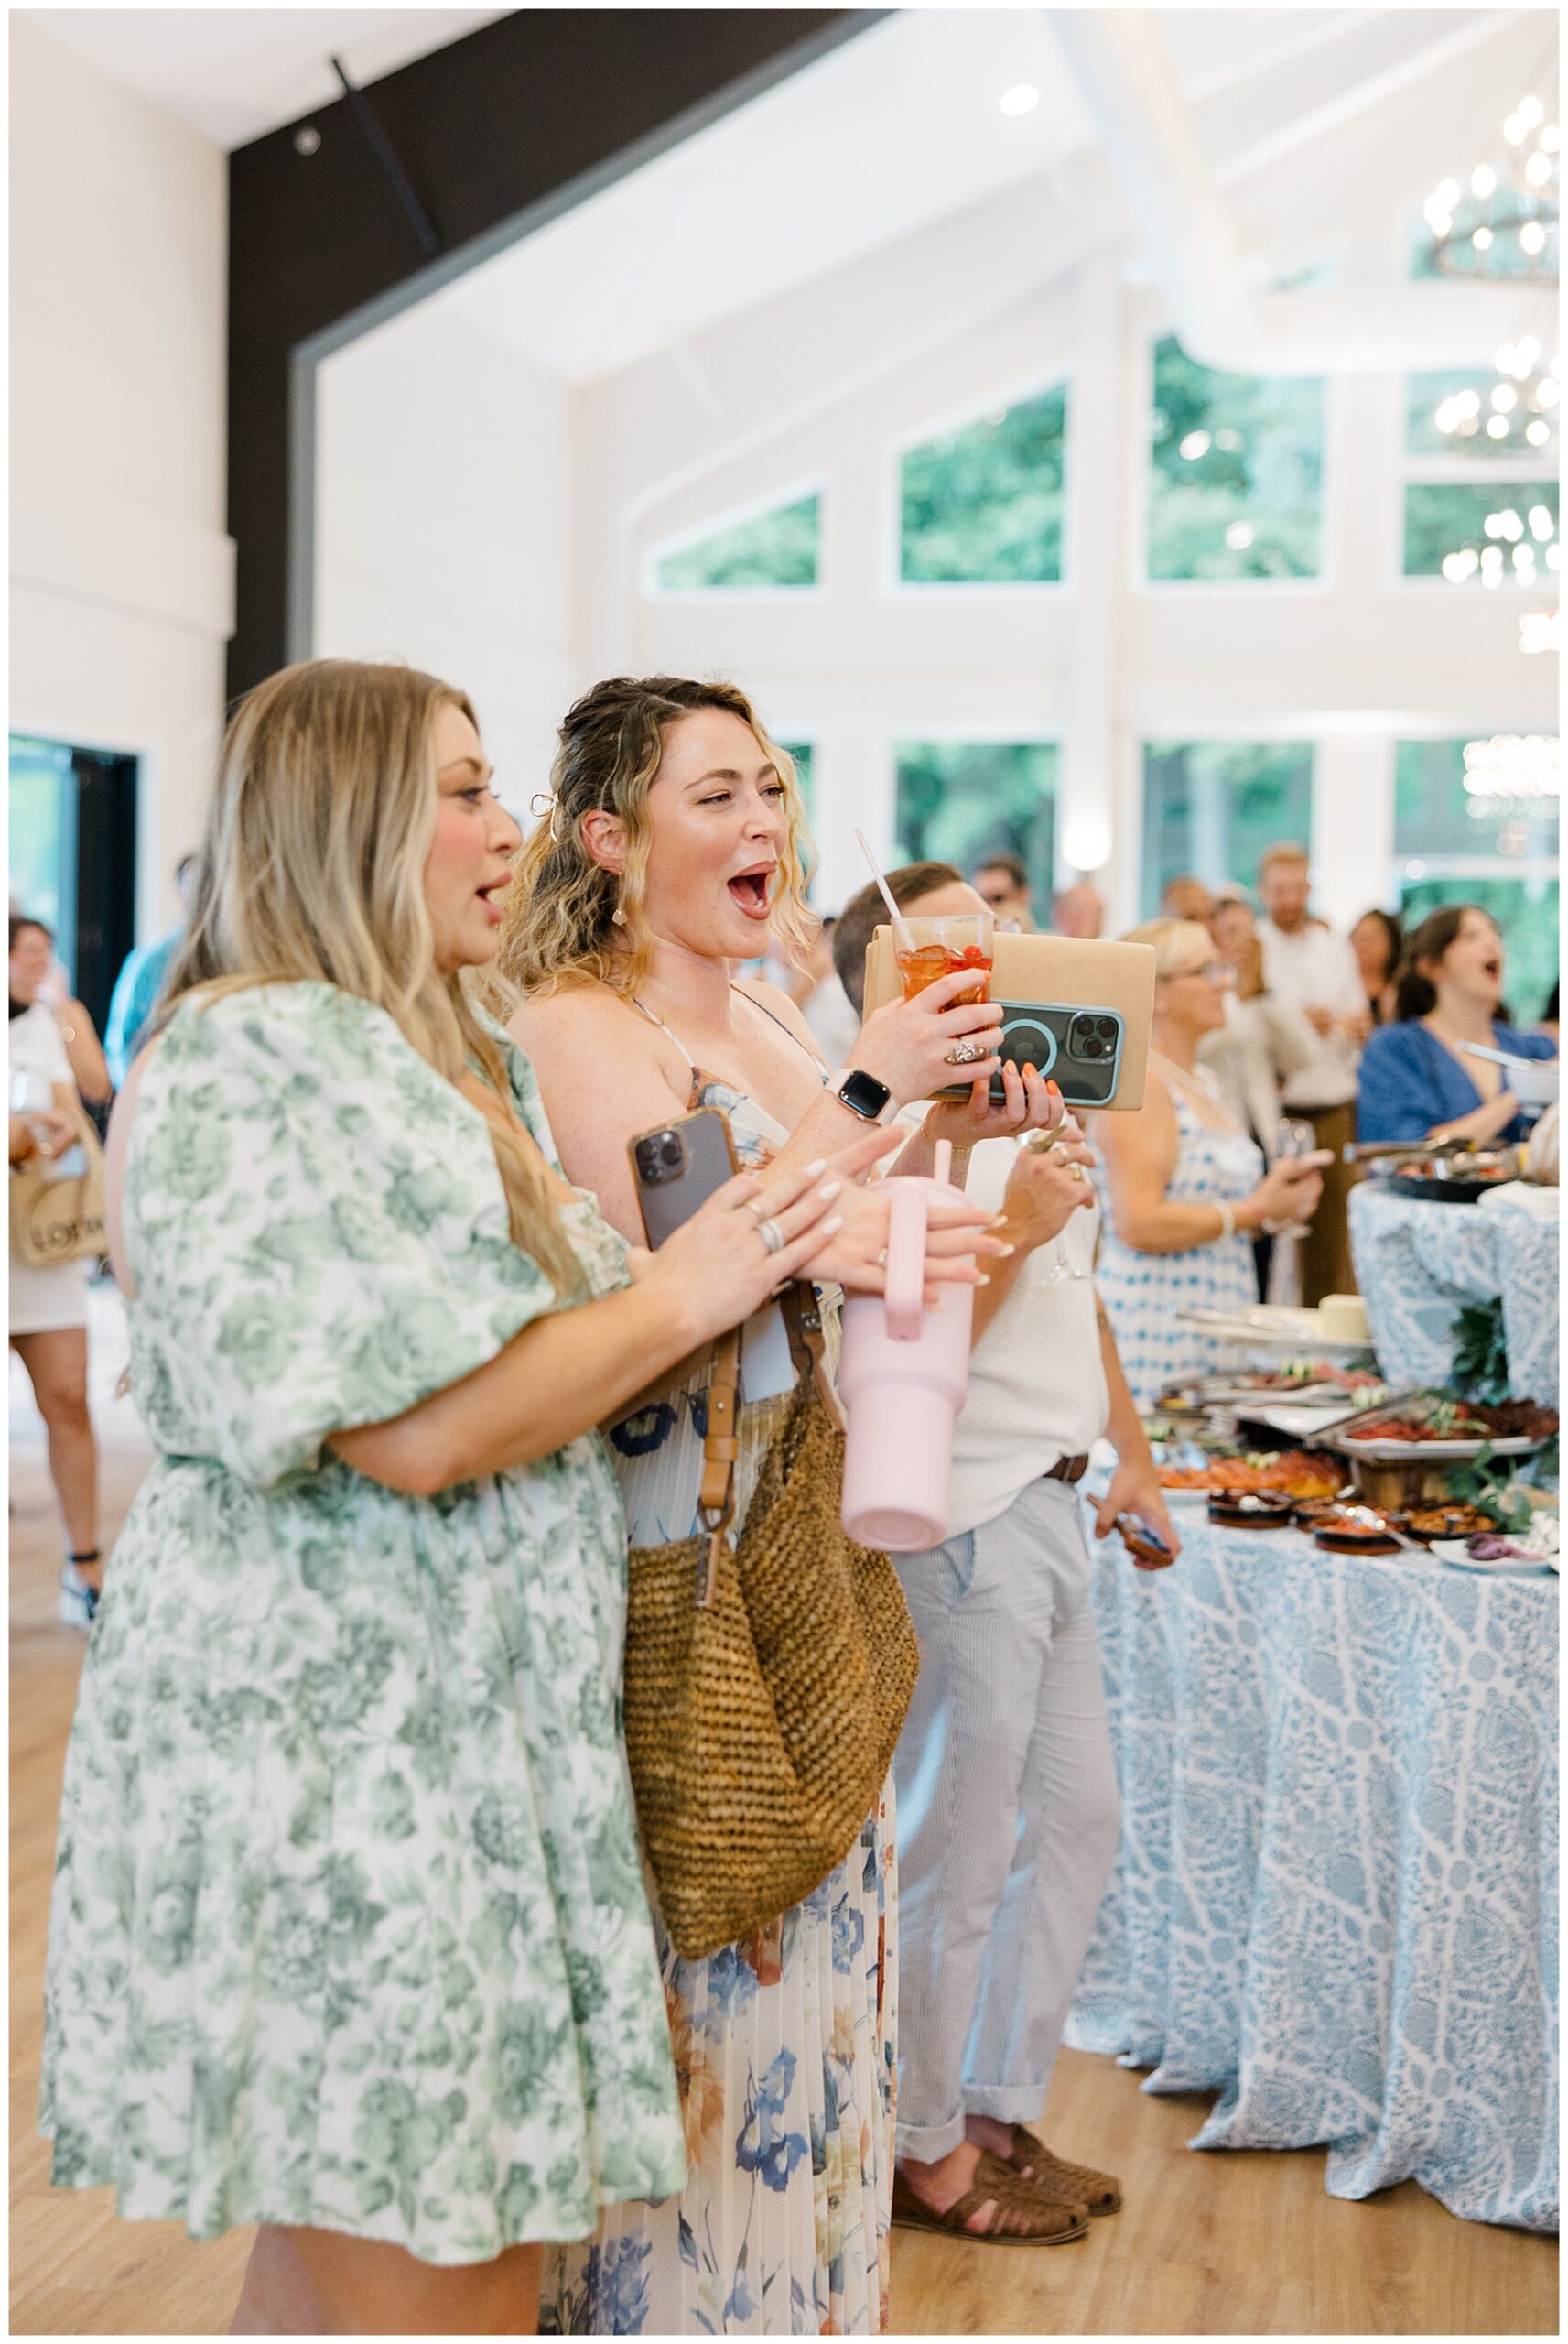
<point x="1417" y="1080"/>
<point x="348" y="1935"/>
<point x="674" y="848"/>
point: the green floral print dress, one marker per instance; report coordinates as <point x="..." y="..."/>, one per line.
<point x="348" y="1924"/>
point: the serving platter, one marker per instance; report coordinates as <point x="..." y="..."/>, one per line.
<point x="1432" y="1452"/>
<point x="1273" y="1325"/>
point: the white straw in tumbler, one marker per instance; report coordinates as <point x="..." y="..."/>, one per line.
<point x="902" y="936"/>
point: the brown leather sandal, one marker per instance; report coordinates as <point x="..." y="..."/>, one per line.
<point x="1099" y="2193"/>
<point x="1021" y="2215"/>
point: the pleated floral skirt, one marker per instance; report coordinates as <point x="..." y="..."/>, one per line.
<point x="786" y="2053"/>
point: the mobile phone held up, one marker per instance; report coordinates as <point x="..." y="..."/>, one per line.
<point x="678" y="1166"/>
<point x="1079" y="1049"/>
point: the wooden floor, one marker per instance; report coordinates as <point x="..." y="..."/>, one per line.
<point x="1239" y="2243"/>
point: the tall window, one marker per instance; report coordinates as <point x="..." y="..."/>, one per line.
<point x="960" y="800"/>
<point x="982" y="505"/>
<point x="1211" y="808"/>
<point x="1235" y="476"/>
<point x="1481" y="508"/>
<point x="768" y="551"/>
<point x="1452" y="845"/>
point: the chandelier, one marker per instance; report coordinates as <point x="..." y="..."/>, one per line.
<point x="1505" y="224"/>
<point x="1513" y="782"/>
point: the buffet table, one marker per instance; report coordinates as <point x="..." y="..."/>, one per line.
<point x="1336" y="1893"/>
<point x="1417" y="1264"/>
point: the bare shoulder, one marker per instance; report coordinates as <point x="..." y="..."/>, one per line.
<point x="545" y="1025"/>
<point x="778" y="1005"/>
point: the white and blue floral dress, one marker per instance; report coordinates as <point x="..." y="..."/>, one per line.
<point x="785" y="2046"/>
<point x="1142" y="1292"/>
<point x="348" y="1924"/>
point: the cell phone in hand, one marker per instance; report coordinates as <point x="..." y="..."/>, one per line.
<point x="1143" y="1540"/>
<point x="678" y="1166"/>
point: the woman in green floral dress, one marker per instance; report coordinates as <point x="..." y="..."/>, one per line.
<point x="349" y="1934"/>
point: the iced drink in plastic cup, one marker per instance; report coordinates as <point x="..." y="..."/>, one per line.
<point x="940" y="947"/>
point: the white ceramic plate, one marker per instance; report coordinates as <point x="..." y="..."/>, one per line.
<point x="1458" y="1552"/>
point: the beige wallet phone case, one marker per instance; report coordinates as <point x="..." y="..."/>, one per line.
<point x="1097" y="1048"/>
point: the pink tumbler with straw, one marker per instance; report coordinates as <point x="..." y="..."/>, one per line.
<point x="902" y="1373"/>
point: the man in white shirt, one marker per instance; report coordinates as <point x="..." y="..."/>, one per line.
<point x="1307" y="967"/>
<point x="1007" y="1794"/>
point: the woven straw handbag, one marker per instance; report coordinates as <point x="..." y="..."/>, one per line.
<point x="58" y="1219"/>
<point x="766" y="1683"/>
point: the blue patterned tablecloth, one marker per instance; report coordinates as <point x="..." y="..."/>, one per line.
<point x="1335" y="1895"/>
<point x="1417" y="1264"/>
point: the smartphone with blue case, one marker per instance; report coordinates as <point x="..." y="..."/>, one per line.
<point x="1077" y="1047"/>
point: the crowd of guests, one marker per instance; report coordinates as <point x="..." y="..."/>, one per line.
<point x="347" y="1814"/>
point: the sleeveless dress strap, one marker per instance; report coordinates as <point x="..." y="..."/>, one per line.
<point x="816" y="1067"/>
<point x="698" y="1079"/>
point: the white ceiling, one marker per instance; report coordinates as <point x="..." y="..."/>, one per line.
<point x="899" y="126"/>
<point x="233" y="73"/>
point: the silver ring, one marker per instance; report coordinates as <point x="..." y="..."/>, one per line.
<point x="750" y="1204"/>
<point x="965" y="1053"/>
<point x="772" y="1235"/>
<point x="882" y="1259"/>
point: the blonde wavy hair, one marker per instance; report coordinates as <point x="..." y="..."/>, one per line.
<point x="561" y="927"/>
<point x="1174" y="941"/>
<point x="312" y="870"/>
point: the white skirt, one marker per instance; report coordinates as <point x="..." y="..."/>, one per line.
<point x="43" y="1300"/>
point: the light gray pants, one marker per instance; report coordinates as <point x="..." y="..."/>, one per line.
<point x="1007" y="1816"/>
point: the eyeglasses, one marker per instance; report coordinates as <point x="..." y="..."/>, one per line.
<point x="1217" y="972"/>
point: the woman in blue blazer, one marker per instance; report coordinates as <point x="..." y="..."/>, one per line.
<point x="1415" y="1084"/>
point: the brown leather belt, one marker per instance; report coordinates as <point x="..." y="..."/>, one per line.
<point x="1067" y="1469"/>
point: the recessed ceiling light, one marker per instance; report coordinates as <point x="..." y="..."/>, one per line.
<point x="1023" y="99"/>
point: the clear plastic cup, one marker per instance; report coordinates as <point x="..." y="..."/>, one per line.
<point x="939" y="947"/>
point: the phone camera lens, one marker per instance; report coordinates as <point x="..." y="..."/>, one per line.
<point x="1106" y="1025"/>
<point x="670" y="1148"/>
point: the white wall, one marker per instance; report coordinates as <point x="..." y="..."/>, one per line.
<point x="827" y="382"/>
<point x="122" y="580"/>
<point x="445" y="526"/>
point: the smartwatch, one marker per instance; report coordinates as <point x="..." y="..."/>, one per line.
<point x="863" y="1095"/>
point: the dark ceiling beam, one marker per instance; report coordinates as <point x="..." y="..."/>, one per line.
<point x="494" y="134"/>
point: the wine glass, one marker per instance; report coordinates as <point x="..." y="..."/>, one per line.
<point x="1296" y="1138"/>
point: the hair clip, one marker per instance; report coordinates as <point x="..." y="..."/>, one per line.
<point x="544" y="805"/>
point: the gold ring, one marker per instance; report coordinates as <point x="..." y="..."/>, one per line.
<point x="1077" y="1170"/>
<point x="882" y="1259"/>
<point x="965" y="1053"/>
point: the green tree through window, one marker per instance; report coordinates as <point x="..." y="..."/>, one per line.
<point x="772" y="549"/>
<point x="1507" y="865"/>
<point x="1236" y="478"/>
<point x="1445" y="517"/>
<point x="1211" y="806"/>
<point x="960" y="800"/>
<point x="982" y="505"/>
